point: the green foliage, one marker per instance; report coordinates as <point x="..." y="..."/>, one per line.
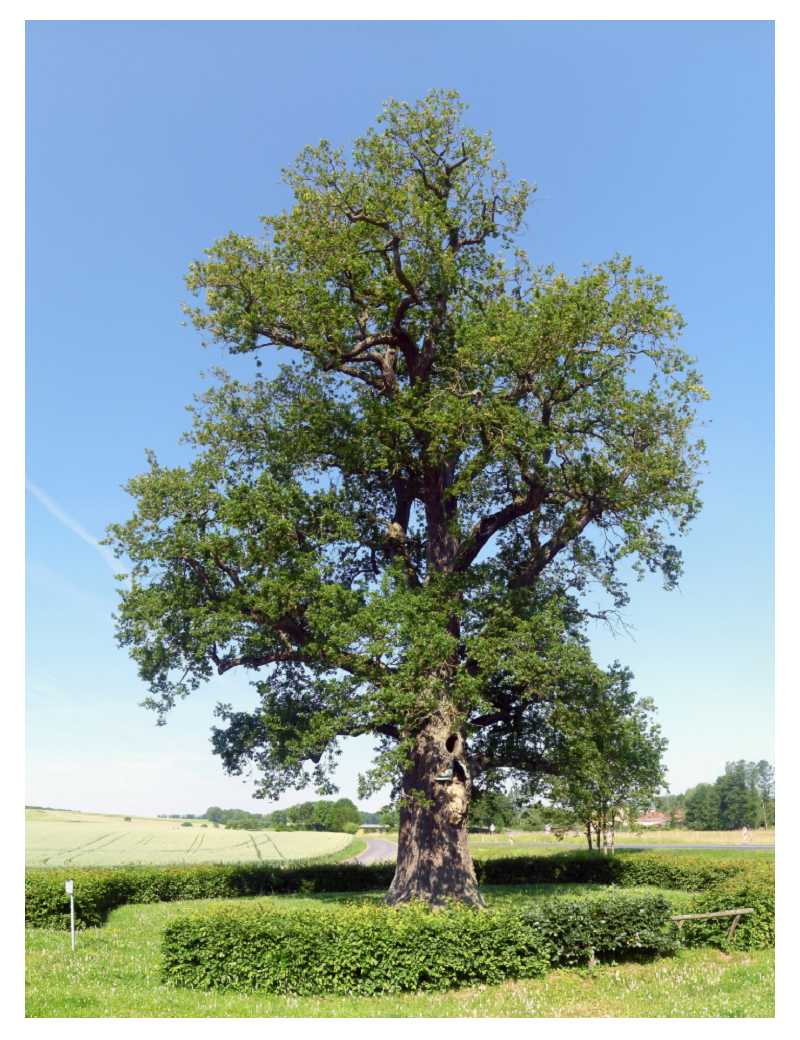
<point x="742" y="796"/>
<point x="690" y="873"/>
<point x="754" y="887"/>
<point x="609" y="754"/>
<point x="116" y="975"/>
<point x="702" y="807"/>
<point x="99" y="890"/>
<point x="322" y="815"/>
<point x="739" y="803"/>
<point x="400" y="523"/>
<point x="373" y="949"/>
<point x="245" y="823"/>
<point x="390" y="817"/>
<point x="186" y="824"/>
<point x="489" y="806"/>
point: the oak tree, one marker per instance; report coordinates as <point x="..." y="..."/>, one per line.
<point x="394" y="534"/>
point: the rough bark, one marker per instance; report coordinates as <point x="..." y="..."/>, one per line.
<point x="434" y="862"/>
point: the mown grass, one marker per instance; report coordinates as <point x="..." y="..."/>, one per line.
<point x="729" y="839"/>
<point x="114" y="973"/>
<point x="506" y="851"/>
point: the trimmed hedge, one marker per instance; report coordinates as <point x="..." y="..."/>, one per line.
<point x="754" y="888"/>
<point x="99" y="890"/>
<point x="690" y="873"/>
<point x="367" y="949"/>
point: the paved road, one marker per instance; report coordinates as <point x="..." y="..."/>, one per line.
<point x="377" y="851"/>
<point x="619" y="845"/>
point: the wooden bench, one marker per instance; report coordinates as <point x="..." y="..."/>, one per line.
<point x="735" y="914"/>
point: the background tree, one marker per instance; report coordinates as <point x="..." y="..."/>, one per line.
<point x="491" y="806"/>
<point x="702" y="807"/>
<point x="740" y="797"/>
<point x="396" y="530"/>
<point x="762" y="776"/>
<point x="739" y="804"/>
<point x="610" y="757"/>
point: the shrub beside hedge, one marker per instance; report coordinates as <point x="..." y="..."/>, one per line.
<point x="754" y="888"/>
<point x="368" y="949"/>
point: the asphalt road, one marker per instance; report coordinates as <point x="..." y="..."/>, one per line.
<point x="377" y="851"/>
<point x="619" y="845"/>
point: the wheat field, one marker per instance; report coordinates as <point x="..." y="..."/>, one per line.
<point x="57" y="844"/>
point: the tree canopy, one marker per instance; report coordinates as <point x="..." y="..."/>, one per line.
<point x="397" y="531"/>
<point x="742" y="796"/>
<point x="610" y="757"/>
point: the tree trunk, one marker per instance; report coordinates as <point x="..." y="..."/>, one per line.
<point x="589" y="835"/>
<point x="434" y="862"/>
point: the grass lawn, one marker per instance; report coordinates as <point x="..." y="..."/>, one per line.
<point x="504" y="851"/>
<point x="114" y="973"/>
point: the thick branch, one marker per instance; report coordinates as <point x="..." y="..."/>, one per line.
<point x="490" y="525"/>
<point x="572" y="527"/>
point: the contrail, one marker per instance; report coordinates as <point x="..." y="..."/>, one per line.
<point x="74" y="526"/>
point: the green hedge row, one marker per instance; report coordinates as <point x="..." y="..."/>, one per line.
<point x="688" y="873"/>
<point x="99" y="890"/>
<point x="367" y="949"/>
<point x="754" y="887"/>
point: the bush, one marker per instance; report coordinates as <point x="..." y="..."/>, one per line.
<point x="368" y="949"/>
<point x="186" y="825"/>
<point x="613" y="926"/>
<point x="100" y="889"/>
<point x="691" y="873"/>
<point x="754" y="888"/>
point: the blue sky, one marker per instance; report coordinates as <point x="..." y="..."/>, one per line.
<point x="146" y="141"/>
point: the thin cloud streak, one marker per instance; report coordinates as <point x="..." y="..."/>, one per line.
<point x="74" y="526"/>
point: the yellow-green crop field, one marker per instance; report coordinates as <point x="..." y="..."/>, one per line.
<point x="53" y="844"/>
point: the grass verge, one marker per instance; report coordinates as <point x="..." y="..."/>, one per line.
<point x="356" y="846"/>
<point x="115" y="973"/>
<point x="481" y="852"/>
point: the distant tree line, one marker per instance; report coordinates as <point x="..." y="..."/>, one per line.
<point x="323" y="815"/>
<point x="744" y="796"/>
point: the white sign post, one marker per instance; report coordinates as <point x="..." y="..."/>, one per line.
<point x="70" y="892"/>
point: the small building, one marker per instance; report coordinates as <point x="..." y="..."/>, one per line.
<point x="660" y="819"/>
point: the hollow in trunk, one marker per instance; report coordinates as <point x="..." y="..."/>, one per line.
<point x="434" y="862"/>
